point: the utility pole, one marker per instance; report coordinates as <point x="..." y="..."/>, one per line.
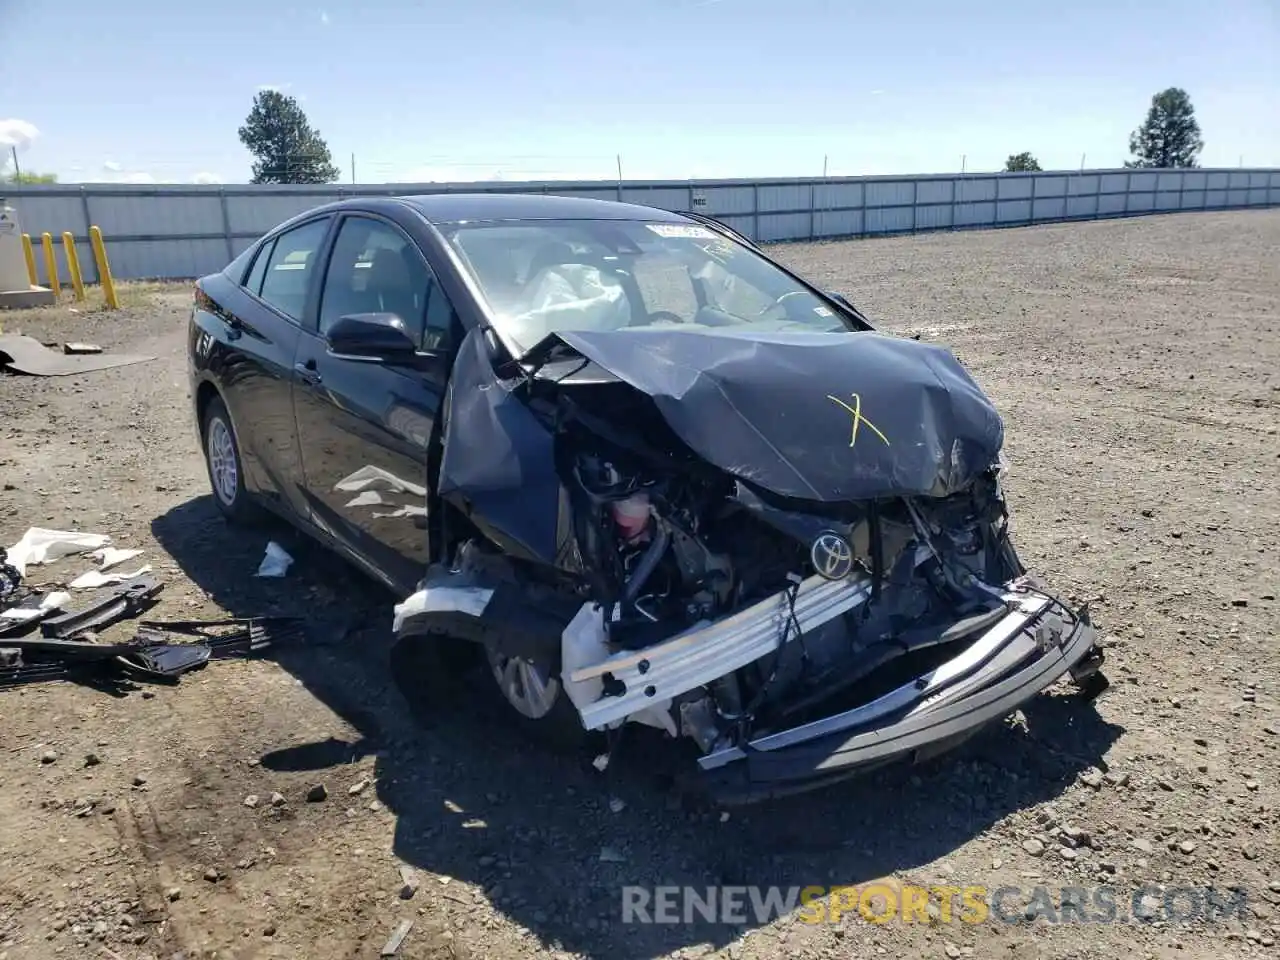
<point x="964" y="158"/>
<point x="618" y="157"/>
<point x="1082" y="156"/>
<point x="17" y="170"/>
<point x="353" y="169"/>
<point x="824" y="166"/>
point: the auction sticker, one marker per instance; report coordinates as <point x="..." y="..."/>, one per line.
<point x="681" y="231"/>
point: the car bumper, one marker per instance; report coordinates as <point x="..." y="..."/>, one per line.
<point x="1028" y="650"/>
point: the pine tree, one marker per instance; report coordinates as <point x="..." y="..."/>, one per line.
<point x="287" y="147"/>
<point x="1170" y="136"/>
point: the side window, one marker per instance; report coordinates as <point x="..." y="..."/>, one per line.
<point x="374" y="268"/>
<point x="254" y="282"/>
<point x="440" y="319"/>
<point x="289" y="268"/>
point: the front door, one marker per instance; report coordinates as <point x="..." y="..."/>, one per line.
<point x="365" y="428"/>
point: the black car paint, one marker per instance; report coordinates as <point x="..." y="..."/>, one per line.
<point x="306" y="419"/>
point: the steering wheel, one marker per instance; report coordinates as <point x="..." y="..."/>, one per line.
<point x="778" y="302"/>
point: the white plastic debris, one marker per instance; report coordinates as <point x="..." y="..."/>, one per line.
<point x="366" y="498"/>
<point x="442" y="599"/>
<point x="617" y="804"/>
<point x="601" y="762"/>
<point x="108" y="557"/>
<point x="39" y="545"/>
<point x="276" y="562"/>
<point x="96" y="578"/>
<point x="52" y="601"/>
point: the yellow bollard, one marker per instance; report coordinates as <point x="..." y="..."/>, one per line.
<point x="73" y="264"/>
<point x="50" y="264"/>
<point x="104" y="268"/>
<point x="30" y="254"/>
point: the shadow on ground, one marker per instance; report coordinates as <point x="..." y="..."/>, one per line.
<point x="475" y="801"/>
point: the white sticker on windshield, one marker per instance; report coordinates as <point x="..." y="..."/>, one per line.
<point x="822" y="311"/>
<point x="681" y="231"/>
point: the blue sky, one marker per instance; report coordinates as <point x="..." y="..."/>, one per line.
<point x="471" y="89"/>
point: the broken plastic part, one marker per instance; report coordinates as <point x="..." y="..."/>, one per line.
<point x="276" y="562"/>
<point x="96" y="578"/>
<point x="128" y="599"/>
<point x="39" y="545"/>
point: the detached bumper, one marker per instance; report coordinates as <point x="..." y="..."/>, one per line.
<point x="1029" y="649"/>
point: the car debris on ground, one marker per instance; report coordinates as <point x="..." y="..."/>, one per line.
<point x="28" y="355"/>
<point x="67" y="646"/>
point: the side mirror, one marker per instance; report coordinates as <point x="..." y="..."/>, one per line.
<point x="371" y="336"/>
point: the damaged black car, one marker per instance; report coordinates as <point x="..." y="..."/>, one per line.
<point x="647" y="473"/>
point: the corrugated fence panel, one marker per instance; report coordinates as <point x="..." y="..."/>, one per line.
<point x="836" y="196"/>
<point x="783" y="226"/>
<point x="193" y="236"/>
<point x="934" y="191"/>
<point x="256" y="215"/>
<point x="1049" y="208"/>
<point x="663" y="198"/>
<point x="37" y="215"/>
<point x="1013" y="211"/>
<point x="933" y="218"/>
<point x="1082" y="206"/>
<point x="1084" y="184"/>
<point x="888" y="220"/>
<point x="1050" y="187"/>
<point x="176" y="216"/>
<point x="891" y="194"/>
<point x="785" y="196"/>
<point x="730" y="200"/>
<point x="167" y="258"/>
<point x="837" y="223"/>
<point x="975" y="214"/>
<point x="1015" y="188"/>
<point x="969" y="191"/>
<point x="1141" y="202"/>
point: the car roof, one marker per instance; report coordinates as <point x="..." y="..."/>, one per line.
<point x="456" y="207"/>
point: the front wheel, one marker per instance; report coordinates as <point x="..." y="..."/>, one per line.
<point x="537" y="702"/>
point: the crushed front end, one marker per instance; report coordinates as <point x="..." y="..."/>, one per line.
<point x="710" y="563"/>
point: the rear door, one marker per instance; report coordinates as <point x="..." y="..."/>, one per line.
<point x="261" y="322"/>
<point x="365" y="428"/>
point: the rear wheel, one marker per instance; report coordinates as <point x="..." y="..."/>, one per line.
<point x="222" y="459"/>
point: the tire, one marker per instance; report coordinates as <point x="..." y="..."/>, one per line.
<point x="222" y="461"/>
<point x="536" y="703"/>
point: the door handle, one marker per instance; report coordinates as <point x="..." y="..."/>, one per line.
<point x="307" y="372"/>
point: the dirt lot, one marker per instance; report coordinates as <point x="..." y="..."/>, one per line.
<point x="1138" y="366"/>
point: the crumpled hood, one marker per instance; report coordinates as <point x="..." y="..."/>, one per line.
<point x="816" y="416"/>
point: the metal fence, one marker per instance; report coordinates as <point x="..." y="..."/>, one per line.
<point x="187" y="231"/>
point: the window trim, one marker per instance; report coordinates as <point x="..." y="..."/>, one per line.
<point x="269" y="243"/>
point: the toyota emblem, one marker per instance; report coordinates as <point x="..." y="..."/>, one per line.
<point x="832" y="556"/>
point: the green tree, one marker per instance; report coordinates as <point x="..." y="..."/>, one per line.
<point x="288" y="149"/>
<point x="1021" y="163"/>
<point x="25" y="177"/>
<point x="1170" y="136"/>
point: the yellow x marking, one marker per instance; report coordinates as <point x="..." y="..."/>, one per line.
<point x="855" y="411"/>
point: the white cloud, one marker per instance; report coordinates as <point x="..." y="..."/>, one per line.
<point x="277" y="87"/>
<point x="17" y="133"/>
<point x="111" y="166"/>
<point x="324" y="18"/>
<point x="203" y="177"/>
<point x="137" y="176"/>
<point x="446" y="175"/>
<point x="876" y="93"/>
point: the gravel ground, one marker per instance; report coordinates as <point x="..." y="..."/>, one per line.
<point x="1136" y="363"/>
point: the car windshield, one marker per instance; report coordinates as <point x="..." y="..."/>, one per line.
<point x="547" y="276"/>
